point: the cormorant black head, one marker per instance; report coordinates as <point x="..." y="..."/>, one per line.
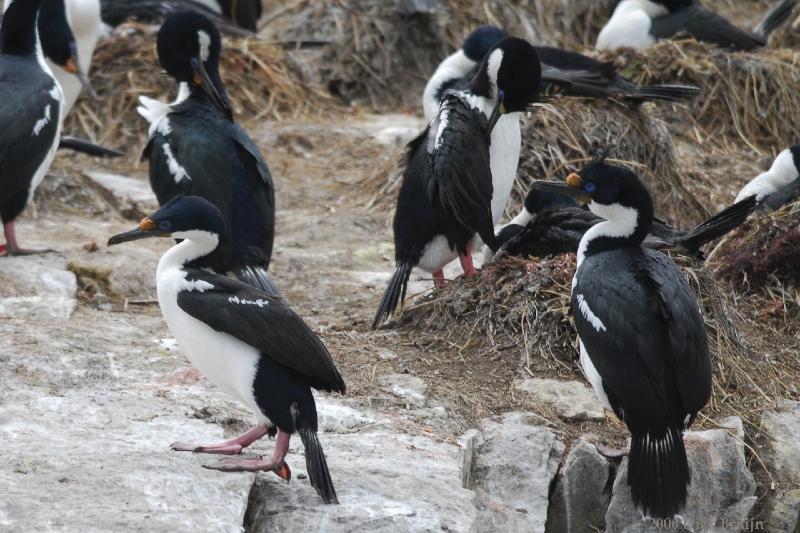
<point x="674" y="5"/>
<point x="509" y="74"/>
<point x="245" y="13"/>
<point x="481" y="40"/>
<point x="181" y="218"/>
<point x="188" y="49"/>
<point x="58" y="41"/>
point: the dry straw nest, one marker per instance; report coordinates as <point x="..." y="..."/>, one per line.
<point x="259" y="81"/>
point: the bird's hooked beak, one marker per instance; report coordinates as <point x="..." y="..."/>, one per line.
<point x="202" y="79"/>
<point x="499" y="109"/>
<point x="572" y="187"/>
<point x="147" y="228"/>
<point x="73" y="67"/>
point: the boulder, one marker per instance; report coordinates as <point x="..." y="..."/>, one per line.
<point x="721" y="493"/>
<point x="783" y="426"/>
<point x="510" y="463"/>
<point x="410" y="388"/>
<point x="571" y="399"/>
<point x="581" y="496"/>
<point x="38" y="287"/>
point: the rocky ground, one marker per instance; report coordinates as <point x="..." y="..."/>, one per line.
<point x="426" y="439"/>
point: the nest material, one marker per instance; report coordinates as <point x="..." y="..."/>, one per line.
<point x="258" y="79"/>
<point x="764" y="254"/>
<point x="527" y="303"/>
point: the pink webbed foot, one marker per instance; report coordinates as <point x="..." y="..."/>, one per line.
<point x="612" y="453"/>
<point x="11" y="247"/>
<point x="229" y="447"/>
<point x="252" y="464"/>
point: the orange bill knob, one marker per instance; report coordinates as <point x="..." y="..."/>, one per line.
<point x="574" y="181"/>
<point x="147" y="224"/>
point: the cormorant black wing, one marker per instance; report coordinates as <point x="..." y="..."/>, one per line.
<point x="264" y="322"/>
<point x="706" y="26"/>
<point x="459" y="176"/>
<point x="641" y="325"/>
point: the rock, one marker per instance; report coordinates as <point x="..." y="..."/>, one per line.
<point x="38" y="287"/>
<point x="386" y="481"/>
<point x="386" y="354"/>
<point x="410" y="388"/>
<point x="582" y="494"/>
<point x="510" y="469"/>
<point x="721" y="493"/>
<point x="783" y="425"/>
<point x="132" y="190"/>
<point x="572" y="399"/>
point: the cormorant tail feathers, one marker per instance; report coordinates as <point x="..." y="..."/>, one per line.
<point x="658" y="472"/>
<point x="317" y="466"/>
<point x="394" y="294"/>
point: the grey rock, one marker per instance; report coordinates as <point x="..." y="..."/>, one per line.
<point x="135" y="191"/>
<point x="386" y="481"/>
<point x="582" y="494"/>
<point x="37" y="287"/>
<point x="721" y="493"/>
<point x="572" y="399"/>
<point x="512" y="465"/>
<point x="783" y="459"/>
<point x="410" y="388"/>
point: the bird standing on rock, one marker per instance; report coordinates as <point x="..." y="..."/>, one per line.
<point x="30" y="115"/>
<point x="459" y="172"/>
<point x="245" y="341"/>
<point x="643" y="343"/>
<point x="196" y="149"/>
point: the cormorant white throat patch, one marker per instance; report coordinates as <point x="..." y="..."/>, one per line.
<point x="588" y="314"/>
<point x="493" y="67"/>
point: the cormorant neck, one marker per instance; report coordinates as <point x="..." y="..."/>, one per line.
<point x="623" y="227"/>
<point x="454" y="67"/>
<point x="18" y="34"/>
<point x="195" y="244"/>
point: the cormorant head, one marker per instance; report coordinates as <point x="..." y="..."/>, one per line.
<point x="481" y="40"/>
<point x="188" y="49"/>
<point x="58" y="41"/>
<point x="537" y="200"/>
<point x="510" y="75"/>
<point x="245" y="13"/>
<point x="184" y="217"/>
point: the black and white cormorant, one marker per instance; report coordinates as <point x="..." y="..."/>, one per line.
<point x="640" y="23"/>
<point x="643" y="343"/>
<point x="196" y="148"/>
<point x="552" y="224"/>
<point x="245" y="341"/>
<point x="780" y="184"/>
<point x="459" y="172"/>
<point x="30" y="115"/>
<point x="236" y="17"/>
<point x="563" y="72"/>
<point x="69" y="57"/>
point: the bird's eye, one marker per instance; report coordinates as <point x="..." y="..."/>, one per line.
<point x="165" y="225"/>
<point x="194" y="63"/>
<point x="501" y="95"/>
<point x="589" y="187"/>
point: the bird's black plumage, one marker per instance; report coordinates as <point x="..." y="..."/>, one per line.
<point x="643" y="342"/>
<point x="200" y="150"/>
<point x="30" y="114"/>
<point x="705" y="25"/>
<point x="557" y="229"/>
<point x="264" y="322"/>
<point x="237" y="18"/>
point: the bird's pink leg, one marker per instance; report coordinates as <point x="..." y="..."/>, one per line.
<point x="438" y="279"/>
<point x="466" y="262"/>
<point x="259" y="464"/>
<point x="12" y="247"/>
<point x="229" y="447"/>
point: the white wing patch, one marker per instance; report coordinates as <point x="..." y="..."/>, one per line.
<point x="588" y="314"/>
<point x="175" y="168"/>
<point x="443" y="119"/>
<point x="243" y="301"/>
<point x="156" y="113"/>
<point x="198" y="285"/>
<point x="42" y="122"/>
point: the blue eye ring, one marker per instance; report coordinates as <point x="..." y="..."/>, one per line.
<point x="589" y="186"/>
<point x="165" y="225"/>
<point x="194" y="63"/>
<point x="501" y="95"/>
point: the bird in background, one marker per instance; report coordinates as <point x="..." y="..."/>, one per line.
<point x="196" y="148"/>
<point x="233" y="17"/>
<point x="245" y="341"/>
<point x="551" y="224"/>
<point x="459" y="172"/>
<point x="643" y="343"/>
<point x="564" y="73"/>
<point x="30" y="117"/>
<point x="779" y="185"/>
<point x="639" y="24"/>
